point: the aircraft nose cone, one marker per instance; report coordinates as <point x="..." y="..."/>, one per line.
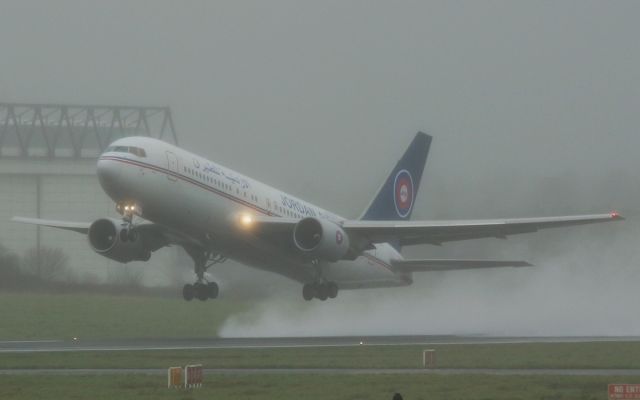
<point x="108" y="174"/>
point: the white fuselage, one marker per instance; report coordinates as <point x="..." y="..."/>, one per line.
<point x="200" y="200"/>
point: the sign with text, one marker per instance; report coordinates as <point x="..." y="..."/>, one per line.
<point x="175" y="377"/>
<point x="624" y="391"/>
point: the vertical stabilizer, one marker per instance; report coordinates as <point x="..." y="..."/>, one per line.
<point x="396" y="197"/>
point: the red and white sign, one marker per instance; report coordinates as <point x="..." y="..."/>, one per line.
<point x="192" y="376"/>
<point x="619" y="391"/>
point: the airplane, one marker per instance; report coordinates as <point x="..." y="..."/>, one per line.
<point x="169" y="196"/>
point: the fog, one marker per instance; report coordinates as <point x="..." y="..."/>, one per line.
<point x="533" y="108"/>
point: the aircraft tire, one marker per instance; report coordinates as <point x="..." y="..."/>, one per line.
<point x="202" y="291"/>
<point x="309" y="292"/>
<point x="323" y="292"/>
<point x="188" y="292"/>
<point x="332" y="290"/>
<point x="213" y="290"/>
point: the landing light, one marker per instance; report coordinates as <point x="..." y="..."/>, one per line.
<point x="246" y="220"/>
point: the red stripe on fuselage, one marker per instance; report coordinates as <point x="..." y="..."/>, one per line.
<point x="189" y="180"/>
<point x="221" y="193"/>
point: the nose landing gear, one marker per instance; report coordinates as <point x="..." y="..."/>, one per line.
<point x="128" y="210"/>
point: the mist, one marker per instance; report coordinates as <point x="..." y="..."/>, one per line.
<point x="533" y="107"/>
<point x="584" y="283"/>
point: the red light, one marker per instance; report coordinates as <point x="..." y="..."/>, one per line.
<point x="614" y="214"/>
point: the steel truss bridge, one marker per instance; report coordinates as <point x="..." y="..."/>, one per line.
<point x="64" y="131"/>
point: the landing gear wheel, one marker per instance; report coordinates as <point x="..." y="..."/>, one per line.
<point x="332" y="290"/>
<point x="203" y="259"/>
<point x="213" y="290"/>
<point x="188" y="292"/>
<point x="323" y="293"/>
<point x="309" y="292"/>
<point x="202" y="291"/>
<point x="133" y="235"/>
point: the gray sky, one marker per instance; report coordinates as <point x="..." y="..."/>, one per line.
<point x="320" y="98"/>
<point x="534" y="106"/>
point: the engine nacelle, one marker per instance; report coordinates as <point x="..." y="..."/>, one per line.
<point x="107" y="238"/>
<point x="321" y="239"/>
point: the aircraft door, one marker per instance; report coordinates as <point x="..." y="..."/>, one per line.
<point x="172" y="165"/>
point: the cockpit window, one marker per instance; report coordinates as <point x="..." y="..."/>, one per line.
<point x="136" y="151"/>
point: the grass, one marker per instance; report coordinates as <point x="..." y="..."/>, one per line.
<point x="310" y="387"/>
<point x="600" y="355"/>
<point x="42" y="316"/>
<point x="28" y="316"/>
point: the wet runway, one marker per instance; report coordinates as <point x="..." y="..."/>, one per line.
<point x="32" y="346"/>
<point x="333" y="371"/>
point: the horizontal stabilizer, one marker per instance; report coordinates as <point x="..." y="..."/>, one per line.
<point x="452" y="265"/>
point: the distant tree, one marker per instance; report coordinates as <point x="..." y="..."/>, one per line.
<point x="9" y="268"/>
<point x="47" y="264"/>
<point x="126" y="276"/>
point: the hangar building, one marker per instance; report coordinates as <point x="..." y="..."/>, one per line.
<point x="48" y="154"/>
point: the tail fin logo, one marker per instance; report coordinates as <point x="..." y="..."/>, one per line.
<point x="403" y="193"/>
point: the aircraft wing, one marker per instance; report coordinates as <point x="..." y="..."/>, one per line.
<point x="408" y="233"/>
<point x="155" y="236"/>
<point x="80" y="227"/>
<point x="452" y="265"/>
<point x="437" y="232"/>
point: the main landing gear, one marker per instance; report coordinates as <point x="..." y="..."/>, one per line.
<point x="321" y="291"/>
<point x="202" y="289"/>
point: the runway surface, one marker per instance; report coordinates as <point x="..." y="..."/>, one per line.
<point x="333" y="371"/>
<point x="32" y="346"/>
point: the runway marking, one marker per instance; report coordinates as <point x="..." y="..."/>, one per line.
<point x="30" y="341"/>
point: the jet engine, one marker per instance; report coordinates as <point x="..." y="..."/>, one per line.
<point x="321" y="239"/>
<point x="109" y="238"/>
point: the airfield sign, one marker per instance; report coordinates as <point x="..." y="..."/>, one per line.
<point x="624" y="391"/>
